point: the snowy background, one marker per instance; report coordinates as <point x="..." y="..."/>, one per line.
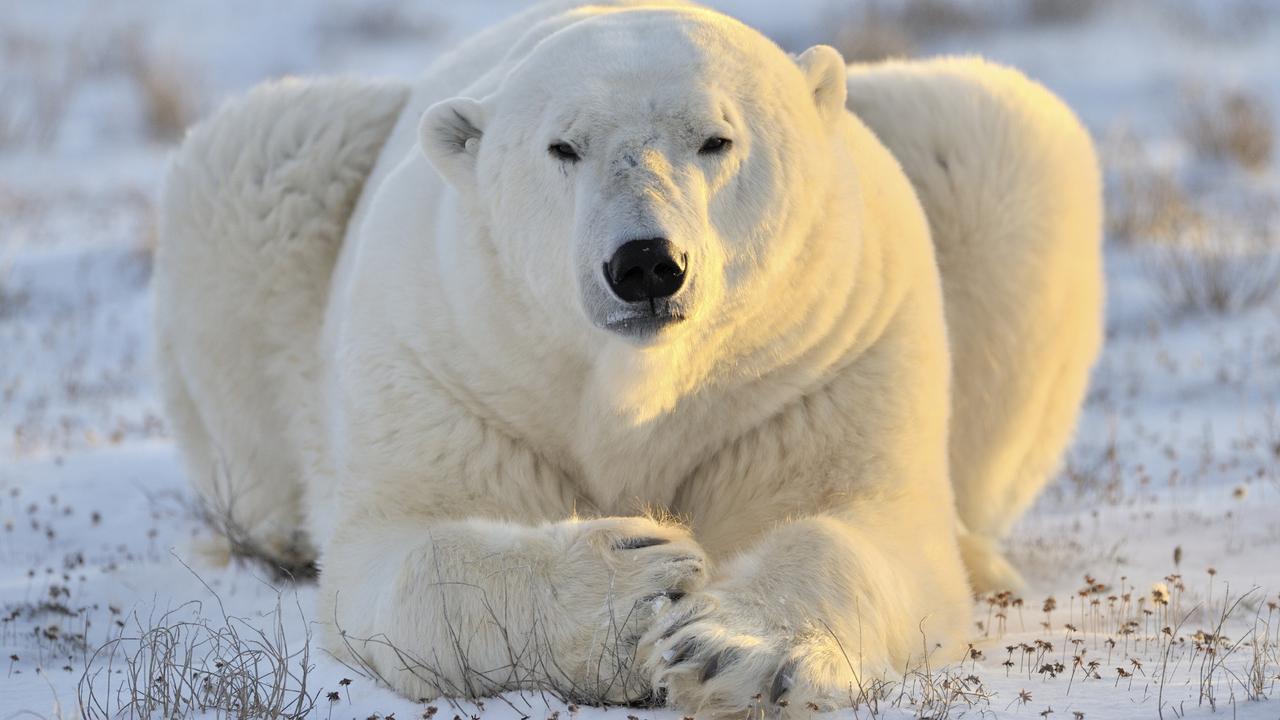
<point x="1154" y="559"/>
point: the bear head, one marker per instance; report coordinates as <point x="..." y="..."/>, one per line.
<point x="652" y="173"/>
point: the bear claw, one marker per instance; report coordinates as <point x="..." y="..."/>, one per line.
<point x="718" y="662"/>
<point x="638" y="543"/>
<point x="675" y="627"/>
<point x="683" y="650"/>
<point x="782" y="680"/>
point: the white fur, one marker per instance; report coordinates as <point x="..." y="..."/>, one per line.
<point x="252" y="220"/>
<point x="1011" y="186"/>
<point x="505" y="493"/>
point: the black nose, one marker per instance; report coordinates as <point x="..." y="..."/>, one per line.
<point x="646" y="270"/>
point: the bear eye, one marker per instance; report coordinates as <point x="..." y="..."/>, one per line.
<point x="714" y="146"/>
<point x="563" y="151"/>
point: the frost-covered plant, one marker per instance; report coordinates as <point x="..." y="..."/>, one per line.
<point x="186" y="664"/>
<point x="1219" y="268"/>
<point x="1229" y="126"/>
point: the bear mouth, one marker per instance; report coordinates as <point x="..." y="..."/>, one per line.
<point x="643" y="323"/>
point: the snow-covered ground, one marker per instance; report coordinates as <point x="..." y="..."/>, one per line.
<point x="1171" y="492"/>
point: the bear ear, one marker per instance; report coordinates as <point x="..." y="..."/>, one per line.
<point x="824" y="68"/>
<point x="450" y="134"/>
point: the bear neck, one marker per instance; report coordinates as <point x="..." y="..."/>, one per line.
<point x="648" y="419"/>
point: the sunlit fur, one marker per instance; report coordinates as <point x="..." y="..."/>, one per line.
<point x="1010" y="183"/>
<point x="490" y="476"/>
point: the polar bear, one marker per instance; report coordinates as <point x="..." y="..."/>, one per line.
<point x="611" y="356"/>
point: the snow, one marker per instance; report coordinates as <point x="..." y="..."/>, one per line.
<point x="1176" y="468"/>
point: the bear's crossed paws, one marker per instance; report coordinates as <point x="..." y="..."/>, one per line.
<point x="717" y="656"/>
<point x="618" y="574"/>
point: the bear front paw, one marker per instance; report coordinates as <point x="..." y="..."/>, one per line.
<point x="618" y="575"/>
<point x="626" y="560"/>
<point x="714" y="661"/>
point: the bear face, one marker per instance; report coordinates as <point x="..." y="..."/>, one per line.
<point x="652" y="174"/>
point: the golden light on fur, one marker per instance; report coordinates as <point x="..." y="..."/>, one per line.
<point x="890" y="298"/>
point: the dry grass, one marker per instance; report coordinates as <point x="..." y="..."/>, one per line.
<point x="1144" y="639"/>
<point x="1220" y="21"/>
<point x="38" y="79"/>
<point x="1149" y="204"/>
<point x="1219" y="268"/>
<point x="382" y="21"/>
<point x="12" y="299"/>
<point x="165" y="89"/>
<point x="872" y="35"/>
<point x="882" y="29"/>
<point x="1145" y="202"/>
<point x="1232" y="126"/>
<point x="936" y="18"/>
<point x="183" y="664"/>
<point x="1057" y="12"/>
<point x="1205" y="251"/>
